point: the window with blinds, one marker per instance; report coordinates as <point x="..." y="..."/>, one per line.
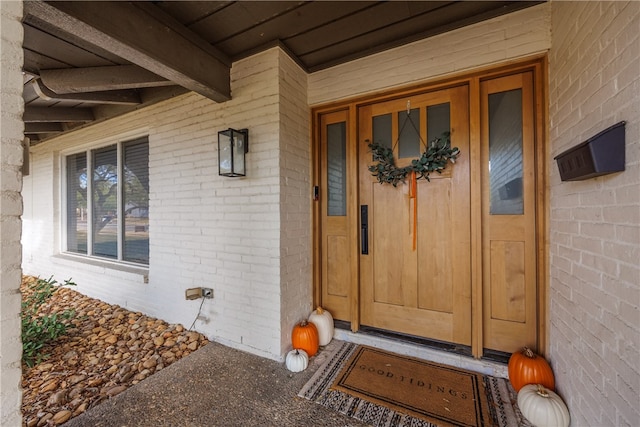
<point x="107" y="202"/>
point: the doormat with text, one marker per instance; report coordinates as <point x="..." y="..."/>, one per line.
<point x="386" y="389"/>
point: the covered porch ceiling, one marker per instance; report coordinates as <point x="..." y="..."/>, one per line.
<point x="86" y="61"/>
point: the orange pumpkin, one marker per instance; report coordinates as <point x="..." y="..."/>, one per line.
<point x="305" y="337"/>
<point x="526" y="367"/>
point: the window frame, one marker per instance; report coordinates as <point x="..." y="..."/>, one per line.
<point x="89" y="150"/>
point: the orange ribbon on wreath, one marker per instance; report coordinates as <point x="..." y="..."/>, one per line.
<point x="413" y="195"/>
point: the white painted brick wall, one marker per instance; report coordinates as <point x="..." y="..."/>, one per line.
<point x="594" y="68"/>
<point x="508" y="37"/>
<point x="11" y="134"/>
<point x="295" y="199"/>
<point x="205" y="230"/>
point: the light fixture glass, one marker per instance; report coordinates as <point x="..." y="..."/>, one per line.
<point x="232" y="147"/>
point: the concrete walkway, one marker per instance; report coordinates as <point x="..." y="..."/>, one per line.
<point x="218" y="386"/>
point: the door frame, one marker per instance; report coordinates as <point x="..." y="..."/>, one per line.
<point x="538" y="65"/>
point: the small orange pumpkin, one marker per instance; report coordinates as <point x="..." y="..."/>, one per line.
<point x="305" y="337"/>
<point x="526" y="367"/>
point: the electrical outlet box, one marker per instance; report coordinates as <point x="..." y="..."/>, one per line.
<point x="207" y="293"/>
<point x="193" y="293"/>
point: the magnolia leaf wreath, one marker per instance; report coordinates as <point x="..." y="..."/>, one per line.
<point x="433" y="159"/>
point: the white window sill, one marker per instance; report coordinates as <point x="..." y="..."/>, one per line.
<point x="72" y="260"/>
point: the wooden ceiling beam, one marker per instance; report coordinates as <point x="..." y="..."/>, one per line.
<point x="125" y="97"/>
<point x="43" y="128"/>
<point x="143" y="35"/>
<point x="57" y="114"/>
<point x="96" y="79"/>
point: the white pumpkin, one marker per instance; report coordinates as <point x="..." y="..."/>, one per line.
<point x="297" y="360"/>
<point x="542" y="407"/>
<point x="323" y="321"/>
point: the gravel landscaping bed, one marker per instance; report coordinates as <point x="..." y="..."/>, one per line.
<point x="107" y="350"/>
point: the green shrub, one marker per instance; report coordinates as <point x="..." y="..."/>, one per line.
<point x="40" y="328"/>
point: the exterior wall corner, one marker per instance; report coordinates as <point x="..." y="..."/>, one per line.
<point x="11" y="137"/>
<point x="296" y="284"/>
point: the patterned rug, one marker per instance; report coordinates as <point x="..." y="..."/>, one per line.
<point x="332" y="387"/>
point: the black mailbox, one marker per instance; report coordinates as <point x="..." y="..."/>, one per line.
<point x="599" y="155"/>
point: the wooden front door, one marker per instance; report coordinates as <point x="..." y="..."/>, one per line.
<point x="422" y="288"/>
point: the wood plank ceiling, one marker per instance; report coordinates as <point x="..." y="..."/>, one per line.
<point x="89" y="61"/>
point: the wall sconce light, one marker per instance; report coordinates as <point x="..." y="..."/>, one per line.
<point x="233" y="146"/>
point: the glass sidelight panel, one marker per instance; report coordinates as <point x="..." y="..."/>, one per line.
<point x="331" y="201"/>
<point x="505" y="153"/>
<point x="337" y="169"/>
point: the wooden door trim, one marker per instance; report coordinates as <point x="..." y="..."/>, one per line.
<point x="475" y="173"/>
<point x="434" y="84"/>
<point x="316" y="230"/>
<point x="353" y="204"/>
<point x="541" y="111"/>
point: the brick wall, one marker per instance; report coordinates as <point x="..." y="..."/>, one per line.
<point x="205" y="230"/>
<point x="11" y="133"/>
<point x="594" y="69"/>
<point x="295" y="197"/>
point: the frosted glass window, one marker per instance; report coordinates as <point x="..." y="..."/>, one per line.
<point x="337" y="169"/>
<point x="438" y="120"/>
<point x="382" y="130"/>
<point x="505" y="153"/>
<point x="409" y="137"/>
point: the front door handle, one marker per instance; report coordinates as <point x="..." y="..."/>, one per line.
<point x="364" y="229"/>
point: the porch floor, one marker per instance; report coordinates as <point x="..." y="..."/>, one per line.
<point x="217" y="386"/>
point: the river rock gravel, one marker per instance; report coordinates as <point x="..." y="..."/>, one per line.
<point x="107" y="350"/>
